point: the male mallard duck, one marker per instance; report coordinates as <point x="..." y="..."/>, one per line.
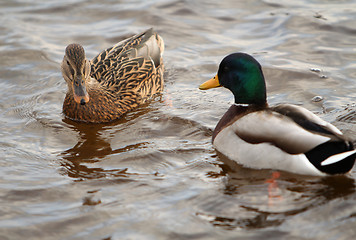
<point x="117" y="80"/>
<point x="283" y="137"/>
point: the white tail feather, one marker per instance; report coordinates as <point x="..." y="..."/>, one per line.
<point x="336" y="158"/>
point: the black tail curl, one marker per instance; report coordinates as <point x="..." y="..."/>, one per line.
<point x="318" y="154"/>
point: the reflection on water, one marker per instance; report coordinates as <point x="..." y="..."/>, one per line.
<point x="91" y="147"/>
<point x="154" y="174"/>
<point x="267" y="199"/>
<point x="325" y="190"/>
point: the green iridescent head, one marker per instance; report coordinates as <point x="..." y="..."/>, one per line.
<point x="242" y="75"/>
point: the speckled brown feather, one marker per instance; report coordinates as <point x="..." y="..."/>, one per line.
<point x="76" y="53"/>
<point x="122" y="81"/>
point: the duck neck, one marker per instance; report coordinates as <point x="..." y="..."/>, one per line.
<point x="251" y="105"/>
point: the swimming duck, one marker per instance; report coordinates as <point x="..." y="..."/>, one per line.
<point x="282" y="137"/>
<point x="114" y="82"/>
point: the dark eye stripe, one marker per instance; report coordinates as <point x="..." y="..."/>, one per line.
<point x="70" y="68"/>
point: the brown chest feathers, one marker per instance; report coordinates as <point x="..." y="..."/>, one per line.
<point x="101" y="108"/>
<point x="106" y="105"/>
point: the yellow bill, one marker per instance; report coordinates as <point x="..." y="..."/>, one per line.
<point x="211" y="83"/>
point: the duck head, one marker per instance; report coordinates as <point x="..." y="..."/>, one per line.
<point x="76" y="71"/>
<point x="242" y="75"/>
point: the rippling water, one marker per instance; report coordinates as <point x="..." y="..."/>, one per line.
<point x="154" y="174"/>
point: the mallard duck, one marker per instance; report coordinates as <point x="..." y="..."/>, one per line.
<point x="282" y="137"/>
<point x="114" y="82"/>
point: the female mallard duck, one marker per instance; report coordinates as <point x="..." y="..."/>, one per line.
<point x="117" y="80"/>
<point x="283" y="137"/>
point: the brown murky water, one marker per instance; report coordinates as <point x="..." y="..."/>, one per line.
<point x="154" y="174"/>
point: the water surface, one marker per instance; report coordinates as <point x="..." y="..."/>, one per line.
<point x="154" y="174"/>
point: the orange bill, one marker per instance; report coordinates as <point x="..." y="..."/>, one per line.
<point x="79" y="91"/>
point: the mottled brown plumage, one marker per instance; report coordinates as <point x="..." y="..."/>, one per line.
<point x="114" y="82"/>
